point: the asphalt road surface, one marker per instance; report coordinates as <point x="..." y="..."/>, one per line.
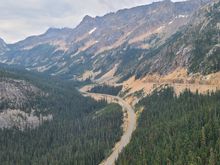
<point x="129" y="125"/>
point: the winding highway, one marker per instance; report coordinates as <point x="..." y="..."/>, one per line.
<point x="129" y="124"/>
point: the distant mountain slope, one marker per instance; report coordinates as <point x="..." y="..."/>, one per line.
<point x="3" y="46"/>
<point x="195" y="47"/>
<point x="128" y="42"/>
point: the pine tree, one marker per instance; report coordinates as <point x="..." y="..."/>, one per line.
<point x="203" y="137"/>
<point x="212" y="157"/>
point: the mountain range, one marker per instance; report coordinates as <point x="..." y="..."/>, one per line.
<point x="156" y="38"/>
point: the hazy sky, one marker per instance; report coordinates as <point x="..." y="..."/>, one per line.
<point x="21" y="18"/>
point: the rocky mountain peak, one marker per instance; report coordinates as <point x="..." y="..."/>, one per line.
<point x="1" y="41"/>
<point x="166" y="2"/>
<point x="57" y="30"/>
<point x="88" y="19"/>
<point x="3" y="46"/>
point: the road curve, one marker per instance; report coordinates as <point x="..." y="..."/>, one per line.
<point x="129" y="125"/>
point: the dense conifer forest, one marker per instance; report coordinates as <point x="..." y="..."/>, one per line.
<point x="106" y="89"/>
<point x="83" y="131"/>
<point x="173" y="130"/>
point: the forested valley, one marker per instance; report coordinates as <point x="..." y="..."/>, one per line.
<point x="176" y="130"/>
<point x="83" y="131"/>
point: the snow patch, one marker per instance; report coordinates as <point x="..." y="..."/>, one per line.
<point x="43" y="68"/>
<point x="170" y="22"/>
<point x="4" y="61"/>
<point x="28" y="69"/>
<point x="182" y="16"/>
<point x="218" y="26"/>
<point x="92" y="31"/>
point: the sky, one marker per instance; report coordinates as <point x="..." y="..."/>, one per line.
<point x="22" y="18"/>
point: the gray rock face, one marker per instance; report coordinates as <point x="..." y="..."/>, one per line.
<point x="15" y="97"/>
<point x="16" y="91"/>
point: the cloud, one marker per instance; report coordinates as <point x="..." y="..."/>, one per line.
<point x="19" y="19"/>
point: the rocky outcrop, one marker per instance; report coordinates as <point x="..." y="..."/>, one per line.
<point x="17" y="106"/>
<point x="17" y="91"/>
